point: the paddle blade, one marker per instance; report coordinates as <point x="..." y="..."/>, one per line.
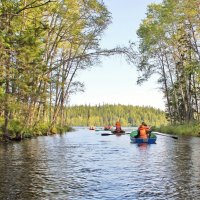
<point x="175" y="137"/>
<point x="106" y="134"/>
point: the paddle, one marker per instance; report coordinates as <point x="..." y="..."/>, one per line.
<point x="172" y="136"/>
<point x="106" y="134"/>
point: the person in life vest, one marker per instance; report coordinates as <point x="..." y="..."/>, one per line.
<point x="118" y="126"/>
<point x="143" y="131"/>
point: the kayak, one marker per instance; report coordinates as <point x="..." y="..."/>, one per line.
<point x="107" y="128"/>
<point x="143" y="140"/>
<point x="92" y="128"/>
<point x="150" y="140"/>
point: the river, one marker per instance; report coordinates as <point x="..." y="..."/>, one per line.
<point x="83" y="165"/>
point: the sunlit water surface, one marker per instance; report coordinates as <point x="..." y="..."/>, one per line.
<point x="83" y="165"/>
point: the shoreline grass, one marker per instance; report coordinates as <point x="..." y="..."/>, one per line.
<point x="17" y="135"/>
<point x="182" y="129"/>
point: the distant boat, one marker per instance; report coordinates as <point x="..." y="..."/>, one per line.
<point x="107" y="128"/>
<point x="92" y="128"/>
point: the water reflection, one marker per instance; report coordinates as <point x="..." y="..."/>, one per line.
<point x="85" y="165"/>
<point x="143" y="146"/>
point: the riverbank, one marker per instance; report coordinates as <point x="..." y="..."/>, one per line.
<point x="182" y="129"/>
<point x="14" y="135"/>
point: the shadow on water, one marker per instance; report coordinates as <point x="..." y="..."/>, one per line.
<point x="85" y="165"/>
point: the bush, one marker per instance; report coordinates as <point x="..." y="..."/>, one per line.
<point x="63" y="129"/>
<point x="15" y="127"/>
<point x="41" y="129"/>
<point x="190" y="129"/>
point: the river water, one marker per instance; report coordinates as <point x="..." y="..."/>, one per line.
<point x="83" y="165"/>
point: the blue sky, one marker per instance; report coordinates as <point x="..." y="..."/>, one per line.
<point x="114" y="80"/>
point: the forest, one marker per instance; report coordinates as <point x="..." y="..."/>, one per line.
<point x="103" y="115"/>
<point x="44" y="44"/>
<point x="169" y="46"/>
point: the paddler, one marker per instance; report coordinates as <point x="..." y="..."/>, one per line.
<point x="143" y="131"/>
<point x="118" y="126"/>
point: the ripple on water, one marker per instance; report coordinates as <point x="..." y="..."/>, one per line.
<point x="84" y="165"/>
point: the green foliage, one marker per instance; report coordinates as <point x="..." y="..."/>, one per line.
<point x="62" y="129"/>
<point x="40" y="129"/>
<point x="1" y="125"/>
<point x="168" y="46"/>
<point x="108" y="114"/>
<point x="43" y="44"/>
<point x="15" y="127"/>
<point x="192" y="129"/>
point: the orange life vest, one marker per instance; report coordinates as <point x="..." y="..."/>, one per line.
<point x="118" y="124"/>
<point x="143" y="132"/>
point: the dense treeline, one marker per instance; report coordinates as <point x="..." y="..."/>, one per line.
<point x="43" y="45"/>
<point x="170" y="46"/>
<point x="102" y="115"/>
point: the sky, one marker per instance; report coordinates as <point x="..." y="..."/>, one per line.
<point x="114" y="80"/>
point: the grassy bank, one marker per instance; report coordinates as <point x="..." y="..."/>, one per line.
<point x="182" y="129"/>
<point x="17" y="132"/>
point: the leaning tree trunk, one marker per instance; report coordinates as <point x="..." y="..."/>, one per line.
<point x="166" y="87"/>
